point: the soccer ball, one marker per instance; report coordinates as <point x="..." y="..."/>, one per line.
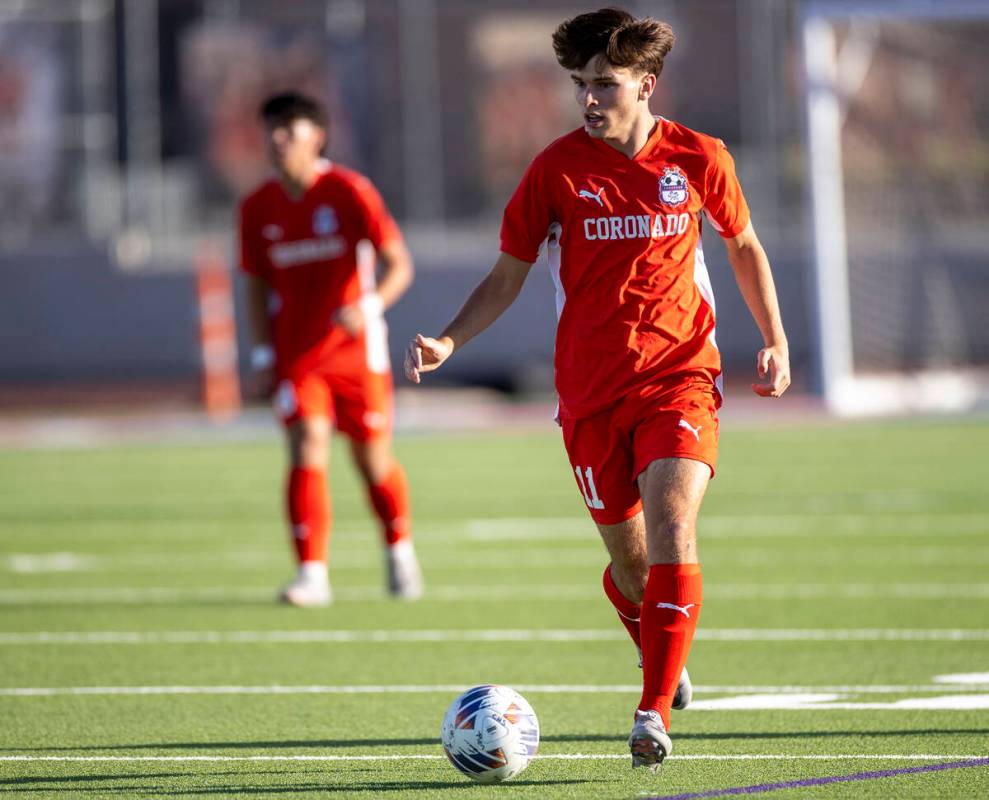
<point x="490" y="733"/>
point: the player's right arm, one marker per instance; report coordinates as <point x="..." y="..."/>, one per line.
<point x="485" y="304"/>
<point x="257" y="291"/>
<point x="523" y="229"/>
<point x="262" y="353"/>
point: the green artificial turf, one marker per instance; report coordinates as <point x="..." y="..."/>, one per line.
<point x="872" y="528"/>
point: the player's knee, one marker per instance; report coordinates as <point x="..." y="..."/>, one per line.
<point x="373" y="461"/>
<point x="630" y="577"/>
<point x="309" y="444"/>
<point x="373" y="473"/>
<point x="678" y="535"/>
<point x="312" y="456"/>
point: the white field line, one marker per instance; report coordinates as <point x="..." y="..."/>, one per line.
<point x="44" y="691"/>
<point x="804" y="524"/>
<point x="759" y="526"/>
<point x="34" y="563"/>
<point x="815" y="591"/>
<point x="576" y="556"/>
<point x="842" y="635"/>
<point x="962" y="678"/>
<point x="544" y="757"/>
<point x="584" y="554"/>
<point x="830" y="702"/>
<point x="507" y="635"/>
<point x="144" y="594"/>
<point x="499" y="593"/>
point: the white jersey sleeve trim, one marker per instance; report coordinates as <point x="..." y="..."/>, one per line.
<point x="554" y="252"/>
<point x="702" y="279"/>
<point x="375" y="327"/>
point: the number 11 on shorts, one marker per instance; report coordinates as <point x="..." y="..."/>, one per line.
<point x="587" y="487"/>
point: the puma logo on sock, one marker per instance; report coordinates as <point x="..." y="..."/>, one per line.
<point x="682" y="609"/>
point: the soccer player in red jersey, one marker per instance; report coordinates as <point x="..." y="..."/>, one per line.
<point x="619" y="203"/>
<point x="310" y="240"/>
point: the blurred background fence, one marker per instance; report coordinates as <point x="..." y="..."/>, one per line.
<point x="128" y="130"/>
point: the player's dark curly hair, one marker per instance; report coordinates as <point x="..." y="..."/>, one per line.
<point x="637" y="44"/>
<point x="286" y="107"/>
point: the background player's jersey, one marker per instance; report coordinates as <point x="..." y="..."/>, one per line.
<point x="633" y="295"/>
<point x="317" y="254"/>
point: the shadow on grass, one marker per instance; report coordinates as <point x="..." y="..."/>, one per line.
<point x="246" y="745"/>
<point x="377" y="743"/>
<point x="63" y="786"/>
<point x="29" y="783"/>
<point x="371" y="789"/>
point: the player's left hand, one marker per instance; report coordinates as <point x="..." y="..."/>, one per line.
<point x="773" y="364"/>
<point x="350" y="318"/>
<point x="425" y="354"/>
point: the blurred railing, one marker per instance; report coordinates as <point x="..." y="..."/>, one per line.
<point x="128" y="129"/>
<point x="134" y="123"/>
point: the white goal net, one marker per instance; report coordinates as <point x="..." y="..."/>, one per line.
<point x="898" y="133"/>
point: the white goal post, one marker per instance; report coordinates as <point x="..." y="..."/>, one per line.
<point x="894" y="332"/>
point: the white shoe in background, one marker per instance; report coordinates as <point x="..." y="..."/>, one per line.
<point x="404" y="574"/>
<point x="310" y="588"/>
<point x="685" y="692"/>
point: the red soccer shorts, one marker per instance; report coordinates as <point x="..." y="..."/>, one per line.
<point x="358" y="402"/>
<point x="608" y="450"/>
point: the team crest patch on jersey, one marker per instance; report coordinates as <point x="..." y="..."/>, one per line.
<point x="324" y="221"/>
<point x="673" y="187"/>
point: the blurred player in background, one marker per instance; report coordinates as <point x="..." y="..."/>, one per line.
<point x="619" y="203"/>
<point x="310" y="242"/>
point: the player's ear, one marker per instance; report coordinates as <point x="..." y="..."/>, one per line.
<point x="647" y="85"/>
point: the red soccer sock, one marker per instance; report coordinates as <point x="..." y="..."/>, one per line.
<point x="309" y="512"/>
<point x="390" y="500"/>
<point x="628" y="612"/>
<point x="671" y="605"/>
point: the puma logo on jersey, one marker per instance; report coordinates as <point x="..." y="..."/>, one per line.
<point x="596" y="196"/>
<point x="682" y="609"/>
<point x="696" y="431"/>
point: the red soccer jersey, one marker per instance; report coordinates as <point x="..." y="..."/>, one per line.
<point x="318" y="253"/>
<point x="634" y="299"/>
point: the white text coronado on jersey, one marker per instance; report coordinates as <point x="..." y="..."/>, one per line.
<point x="636" y="226"/>
<point x="323" y="246"/>
<point x="306" y="251"/>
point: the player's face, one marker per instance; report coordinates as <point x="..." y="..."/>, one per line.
<point x="610" y="97"/>
<point x="294" y="147"/>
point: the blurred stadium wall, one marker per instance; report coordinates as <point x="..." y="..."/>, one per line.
<point x="128" y="130"/>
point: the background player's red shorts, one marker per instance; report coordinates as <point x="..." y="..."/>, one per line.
<point x="359" y="402"/>
<point x="608" y="450"/>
